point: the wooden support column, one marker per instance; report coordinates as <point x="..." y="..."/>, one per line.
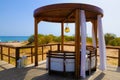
<point x="77" y="44"/>
<point x="62" y="36"/>
<point x="94" y="23"/>
<point x="36" y="41"/>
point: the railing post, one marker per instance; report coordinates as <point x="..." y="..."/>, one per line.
<point x="64" y="62"/>
<point x="50" y="48"/>
<point x="42" y="53"/>
<point x="58" y="47"/>
<point x="17" y="55"/>
<point x="8" y="54"/>
<point x="49" y="63"/>
<point x="1" y="52"/>
<point x="31" y="55"/>
<point x="95" y="58"/>
<point x="119" y="57"/>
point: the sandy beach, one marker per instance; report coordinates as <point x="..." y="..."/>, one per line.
<point x="15" y="44"/>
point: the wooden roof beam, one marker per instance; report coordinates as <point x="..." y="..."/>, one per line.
<point x="69" y="15"/>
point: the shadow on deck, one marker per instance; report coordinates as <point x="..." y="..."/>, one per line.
<point x="8" y="72"/>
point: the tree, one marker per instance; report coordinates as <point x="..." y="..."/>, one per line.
<point x="31" y="39"/>
<point x="109" y="37"/>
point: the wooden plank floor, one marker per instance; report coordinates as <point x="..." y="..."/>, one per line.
<point x="8" y="72"/>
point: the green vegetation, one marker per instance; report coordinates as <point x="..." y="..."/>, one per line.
<point x="115" y="42"/>
<point x="45" y="39"/>
<point x="110" y="39"/>
<point x="89" y="40"/>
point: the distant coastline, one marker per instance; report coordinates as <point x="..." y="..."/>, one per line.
<point x="13" y="38"/>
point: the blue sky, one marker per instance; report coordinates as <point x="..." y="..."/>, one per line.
<point x="16" y="17"/>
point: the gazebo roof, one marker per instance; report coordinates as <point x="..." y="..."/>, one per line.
<point x="65" y="12"/>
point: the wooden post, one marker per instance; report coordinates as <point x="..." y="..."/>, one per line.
<point x="119" y="57"/>
<point x="1" y="53"/>
<point x="49" y="63"/>
<point x="95" y="50"/>
<point x="50" y="48"/>
<point x="17" y="55"/>
<point x="90" y="63"/>
<point x="8" y="54"/>
<point x="64" y="62"/>
<point x="62" y="36"/>
<point x="94" y="23"/>
<point x="36" y="42"/>
<point x="77" y="44"/>
<point x="58" y="48"/>
<point x="42" y="53"/>
<point x="31" y="55"/>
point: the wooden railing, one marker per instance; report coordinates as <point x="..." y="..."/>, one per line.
<point x="5" y="51"/>
<point x="118" y="54"/>
<point x="11" y="53"/>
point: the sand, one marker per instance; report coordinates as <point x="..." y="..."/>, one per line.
<point x="15" y="44"/>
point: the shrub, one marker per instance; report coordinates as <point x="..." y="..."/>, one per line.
<point x="115" y="42"/>
<point x="57" y="39"/>
<point x="89" y="40"/>
<point x="31" y="39"/>
<point x="109" y="37"/>
<point x="69" y="38"/>
<point x="44" y="39"/>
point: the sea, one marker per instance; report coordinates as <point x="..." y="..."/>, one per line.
<point x="13" y="38"/>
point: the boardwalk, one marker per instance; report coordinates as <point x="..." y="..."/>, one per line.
<point x="8" y="72"/>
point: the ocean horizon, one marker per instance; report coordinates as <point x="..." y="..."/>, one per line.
<point x="13" y="38"/>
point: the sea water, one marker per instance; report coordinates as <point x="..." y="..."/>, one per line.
<point x="13" y="38"/>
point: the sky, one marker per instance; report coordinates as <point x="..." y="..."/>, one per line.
<point x="16" y="17"/>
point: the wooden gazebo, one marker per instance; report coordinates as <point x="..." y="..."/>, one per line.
<point x="79" y="14"/>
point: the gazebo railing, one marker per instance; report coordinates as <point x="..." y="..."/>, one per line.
<point x="62" y="59"/>
<point x="11" y="53"/>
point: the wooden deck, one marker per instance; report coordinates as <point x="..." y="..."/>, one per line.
<point x="8" y="72"/>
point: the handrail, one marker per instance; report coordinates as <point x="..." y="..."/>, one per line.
<point x="18" y="48"/>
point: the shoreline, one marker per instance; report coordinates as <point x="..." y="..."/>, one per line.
<point x="13" y="38"/>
